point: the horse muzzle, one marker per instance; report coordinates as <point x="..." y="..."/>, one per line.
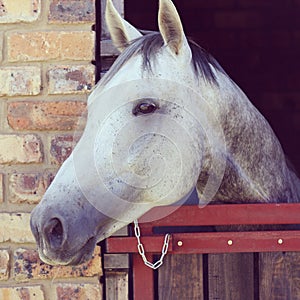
<point x="56" y="243"/>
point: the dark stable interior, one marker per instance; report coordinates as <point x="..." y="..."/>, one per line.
<point x="257" y="43"/>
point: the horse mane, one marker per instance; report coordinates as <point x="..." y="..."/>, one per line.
<point x="149" y="45"/>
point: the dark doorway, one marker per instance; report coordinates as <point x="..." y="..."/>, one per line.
<point x="258" y="44"/>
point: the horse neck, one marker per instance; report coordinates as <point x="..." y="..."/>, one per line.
<point x="256" y="169"/>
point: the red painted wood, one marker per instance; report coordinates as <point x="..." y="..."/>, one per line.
<point x="143" y="281"/>
<point x="225" y="214"/>
<point x="224" y="242"/>
<point x="250" y="214"/>
<point x="152" y="244"/>
<point x="213" y="242"/>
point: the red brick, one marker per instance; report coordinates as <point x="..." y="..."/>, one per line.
<point x="84" y="291"/>
<point x="33" y="46"/>
<point x="71" y="79"/>
<point x="28" y="188"/>
<point x="1" y="45"/>
<point x="38" y="115"/>
<point x="19" y="11"/>
<point x="22" y="293"/>
<point x="4" y="265"/>
<point x="27" y="265"/>
<point x="61" y="147"/>
<point x="20" y="149"/>
<point x="77" y="45"/>
<point x="15" y="228"/>
<point x="50" y="45"/>
<point x="20" y="81"/>
<point x="1" y="188"/>
<point x="71" y="11"/>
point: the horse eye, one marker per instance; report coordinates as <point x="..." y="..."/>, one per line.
<point x="145" y="108"/>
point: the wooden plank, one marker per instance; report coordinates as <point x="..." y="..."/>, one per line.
<point x="212" y="242"/>
<point x="116" y="271"/>
<point x="153" y="244"/>
<point x="234" y="242"/>
<point x="227" y="214"/>
<point x="230" y="276"/>
<point x="108" y="49"/>
<point x="279" y="276"/>
<point x="143" y="278"/>
<point x="181" y="277"/>
<point x="116" y="261"/>
<point x="116" y="267"/>
<point x="116" y="285"/>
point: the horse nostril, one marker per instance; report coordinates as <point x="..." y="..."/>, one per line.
<point x="54" y="233"/>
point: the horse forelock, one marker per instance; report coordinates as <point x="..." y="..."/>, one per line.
<point x="149" y="45"/>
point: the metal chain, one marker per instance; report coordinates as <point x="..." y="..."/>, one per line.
<point x="141" y="248"/>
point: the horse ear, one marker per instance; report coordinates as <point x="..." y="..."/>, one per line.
<point x="171" y="29"/>
<point x="120" y="30"/>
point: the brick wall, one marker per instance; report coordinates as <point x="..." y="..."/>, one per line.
<point x="258" y="44"/>
<point x="46" y="48"/>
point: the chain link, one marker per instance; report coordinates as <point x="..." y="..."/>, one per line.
<point x="141" y="248"/>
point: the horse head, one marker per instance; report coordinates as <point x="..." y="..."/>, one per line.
<point x="142" y="145"/>
<point x="165" y="119"/>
